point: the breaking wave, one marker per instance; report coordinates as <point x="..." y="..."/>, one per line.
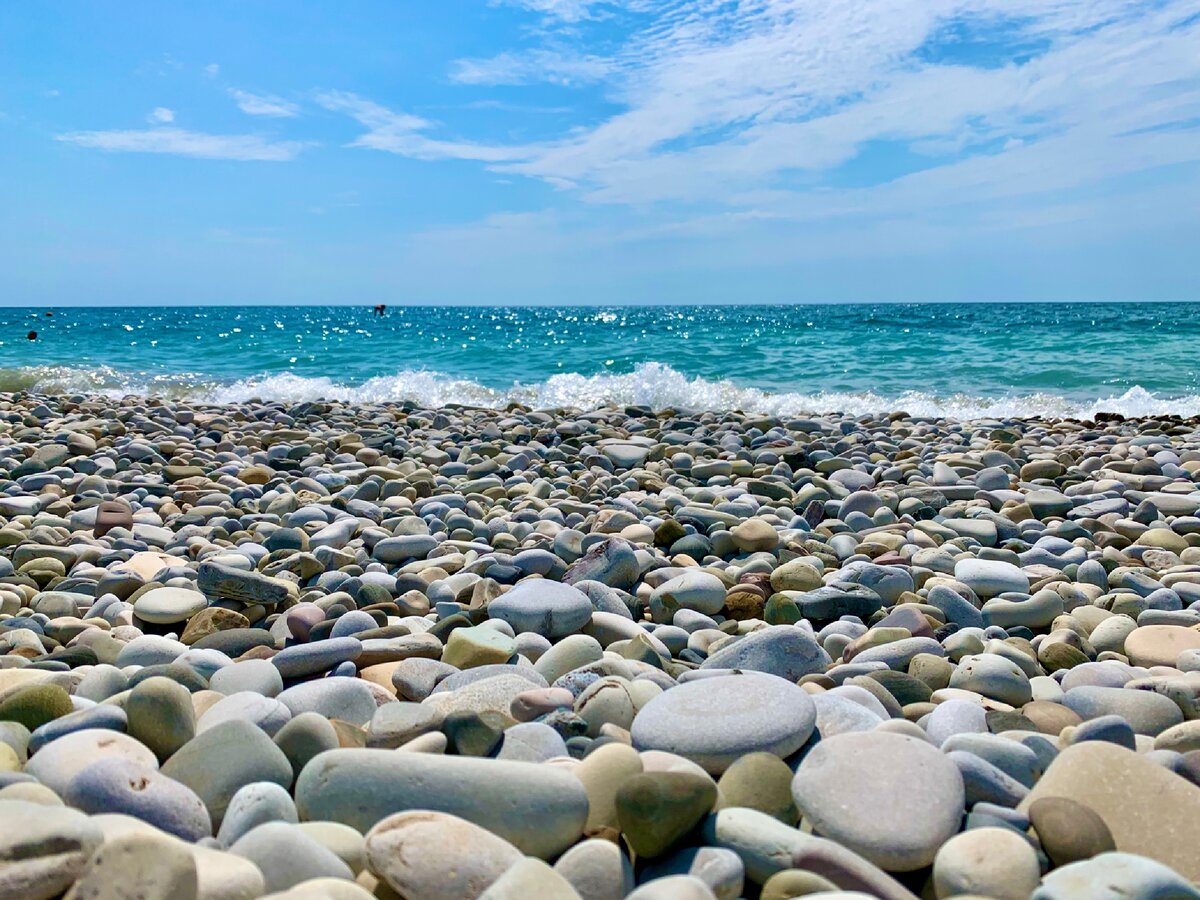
<point x="654" y="385"/>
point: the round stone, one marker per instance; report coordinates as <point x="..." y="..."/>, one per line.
<point x="1160" y="645"/>
<point x="782" y="650"/>
<point x="755" y="535"/>
<point x="987" y="577"/>
<point x="989" y="862"/>
<point x="890" y="798"/>
<point x="1069" y="831"/>
<point x="287" y="856"/>
<point x="544" y="607"/>
<point x="56" y="764"/>
<point x="759" y="781"/>
<point x="253" y="805"/>
<point x="142" y="866"/>
<point x="317" y="657"/>
<point x="168" y="605"/>
<point x="160" y="715"/>
<point x="539" y="809"/>
<point x="656" y="810"/>
<point x="714" y="721"/>
<point x="43" y="848"/>
<point x="118" y="785"/>
<point x="35" y="705"/>
<point x="698" y="591"/>
<point x="437" y="856"/>
<point x="796" y="575"/>
<point x="478" y="646"/>
<point x="994" y="677"/>
<point x="217" y="762"/>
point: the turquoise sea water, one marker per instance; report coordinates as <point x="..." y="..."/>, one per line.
<point x="964" y="360"/>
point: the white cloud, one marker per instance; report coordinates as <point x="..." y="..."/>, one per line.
<point x="764" y="114"/>
<point x="177" y="142"/>
<point x="264" y="104"/>
<point x="403" y="134"/>
<point x="565" y="10"/>
<point x="160" y="115"/>
<point x="549" y="66"/>
<point x="212" y="70"/>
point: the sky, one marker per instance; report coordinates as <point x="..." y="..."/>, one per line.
<point x="598" y="151"/>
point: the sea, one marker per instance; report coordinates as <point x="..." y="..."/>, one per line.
<point x="966" y="361"/>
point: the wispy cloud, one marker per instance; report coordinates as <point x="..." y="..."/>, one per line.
<point x="264" y="104"/>
<point x="769" y="106"/>
<point x="178" y="142"/>
<point x="543" y="65"/>
<point x="161" y="115"/>
<point x="566" y="10"/>
<point x="212" y="70"/>
<point x="404" y="134"/>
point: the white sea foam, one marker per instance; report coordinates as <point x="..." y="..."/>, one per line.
<point x="651" y="384"/>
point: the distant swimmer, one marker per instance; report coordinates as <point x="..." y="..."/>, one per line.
<point x="32" y="335"/>
<point x="49" y="315"/>
<point x="380" y="309"/>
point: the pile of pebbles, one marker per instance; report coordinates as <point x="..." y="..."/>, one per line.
<point x="320" y="650"/>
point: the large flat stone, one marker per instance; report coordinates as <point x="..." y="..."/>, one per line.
<point x="1150" y="810"/>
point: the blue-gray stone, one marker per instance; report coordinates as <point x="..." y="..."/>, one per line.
<point x="107" y="716"/>
<point x="986" y="783"/>
<point x="117" y="785"/>
<point x="348" y="699"/>
<point x="316" y="657"/>
<point x="255" y="804"/>
<point x="548" y="608"/>
<point x="784" y="650"/>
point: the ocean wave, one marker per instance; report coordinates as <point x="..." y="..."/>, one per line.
<point x="655" y="385"/>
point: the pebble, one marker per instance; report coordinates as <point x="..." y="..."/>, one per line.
<point x="989" y="862"/>
<point x="361" y="609"/>
<point x="168" y="605"/>
<point x="893" y="799"/>
<point x="530" y="877"/>
<point x="56" y="764"/>
<point x="253" y="805"/>
<point x="437" y="856"/>
<point x="1069" y="831"/>
<point x="160" y="715"/>
<point x="217" y="762"/>
<point x="43" y="849"/>
<point x="117" y="785"/>
<point x="714" y="721"/>
<point x="597" y="869"/>
<point x="540" y="810"/>
<point x="656" y="810"/>
<point x="1148" y="810"/>
<point x="760" y="781"/>
<point x="141" y="866"/>
<point x="548" y="608"/>
<point x="1115" y="876"/>
<point x="287" y="856"/>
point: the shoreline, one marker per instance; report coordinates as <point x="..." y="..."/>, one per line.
<point x="652" y="387"/>
<point x="465" y="651"/>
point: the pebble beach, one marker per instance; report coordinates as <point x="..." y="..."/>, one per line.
<point x="322" y="649"/>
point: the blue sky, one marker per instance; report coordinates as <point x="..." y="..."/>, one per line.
<point x="552" y="151"/>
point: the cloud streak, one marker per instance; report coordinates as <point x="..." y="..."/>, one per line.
<point x="405" y="134"/>
<point x="264" y="104"/>
<point x="179" y="142"/>
<point x="768" y="101"/>
<point x="545" y="65"/>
